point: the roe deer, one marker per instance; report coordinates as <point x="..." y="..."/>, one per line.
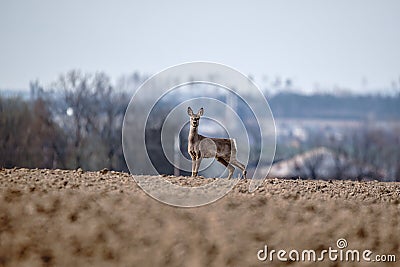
<point x="199" y="147"/>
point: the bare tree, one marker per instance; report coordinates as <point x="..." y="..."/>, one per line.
<point x="29" y="137"/>
<point x="91" y="112"/>
<point x="110" y="107"/>
<point x="341" y="160"/>
<point x="75" y="111"/>
<point x="312" y="164"/>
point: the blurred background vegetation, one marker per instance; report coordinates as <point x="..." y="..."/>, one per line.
<point x="76" y="122"/>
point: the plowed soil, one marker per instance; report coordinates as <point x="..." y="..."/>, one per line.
<point x="76" y="218"/>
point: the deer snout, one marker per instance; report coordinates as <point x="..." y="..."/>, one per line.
<point x="194" y="122"/>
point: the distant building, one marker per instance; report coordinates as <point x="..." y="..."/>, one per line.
<point x="323" y="163"/>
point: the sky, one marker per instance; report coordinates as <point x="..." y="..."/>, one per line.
<point x="317" y="44"/>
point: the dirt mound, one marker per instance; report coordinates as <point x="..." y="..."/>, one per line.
<point x="76" y="218"/>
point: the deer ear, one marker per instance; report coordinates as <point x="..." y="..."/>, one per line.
<point x="190" y="111"/>
<point x="201" y="112"/>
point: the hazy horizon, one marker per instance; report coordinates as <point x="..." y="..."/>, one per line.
<point x="319" y="45"/>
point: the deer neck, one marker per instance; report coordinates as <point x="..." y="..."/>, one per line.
<point x="193" y="134"/>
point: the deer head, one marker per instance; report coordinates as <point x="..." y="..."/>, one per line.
<point x="195" y="118"/>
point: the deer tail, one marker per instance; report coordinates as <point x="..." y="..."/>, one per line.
<point x="234" y="147"/>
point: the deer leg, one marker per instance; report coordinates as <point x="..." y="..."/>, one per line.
<point x="240" y="165"/>
<point x="193" y="167"/>
<point x="231" y="169"/>
<point x="197" y="166"/>
<point x="193" y="156"/>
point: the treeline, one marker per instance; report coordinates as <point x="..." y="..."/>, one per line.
<point x="75" y="123"/>
<point x="328" y="106"/>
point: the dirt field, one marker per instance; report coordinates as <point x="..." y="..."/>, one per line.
<point x="75" y="218"/>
